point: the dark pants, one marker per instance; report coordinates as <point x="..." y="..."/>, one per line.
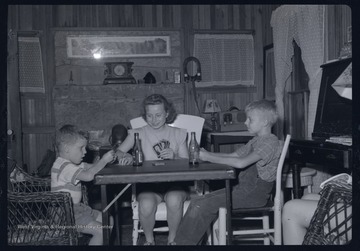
<point x="251" y="191"/>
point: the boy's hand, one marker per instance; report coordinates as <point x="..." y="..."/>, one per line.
<point x="109" y="156"/>
<point x="203" y="154"/>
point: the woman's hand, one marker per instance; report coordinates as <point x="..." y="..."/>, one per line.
<point x="167" y="153"/>
<point x="126" y="159"/>
<point x="109" y="156"/>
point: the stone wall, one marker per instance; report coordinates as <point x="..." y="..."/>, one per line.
<point x="98" y="108"/>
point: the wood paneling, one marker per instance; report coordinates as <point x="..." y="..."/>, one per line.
<point x="185" y="17"/>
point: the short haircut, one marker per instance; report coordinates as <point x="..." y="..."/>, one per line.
<point x="68" y="135"/>
<point x="156" y="99"/>
<point x="265" y="106"/>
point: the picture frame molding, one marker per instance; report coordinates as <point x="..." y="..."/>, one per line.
<point x="137" y="45"/>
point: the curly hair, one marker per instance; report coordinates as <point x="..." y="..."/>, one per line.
<point x="265" y="106"/>
<point x="69" y="134"/>
<point x="156" y="99"/>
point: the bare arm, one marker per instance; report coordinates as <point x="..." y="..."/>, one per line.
<point x="231" y="159"/>
<point x="183" y="151"/>
<point x="121" y="152"/>
<point x="127" y="144"/>
<point x="91" y="169"/>
<point x="227" y="155"/>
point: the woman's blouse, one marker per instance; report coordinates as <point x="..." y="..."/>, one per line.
<point x="153" y="141"/>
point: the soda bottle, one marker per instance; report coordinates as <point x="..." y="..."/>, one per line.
<point x="194" y="150"/>
<point x="138" y="156"/>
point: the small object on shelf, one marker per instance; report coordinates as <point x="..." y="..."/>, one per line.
<point x="177" y="77"/>
<point x="212" y="106"/>
<point x="118" y="73"/>
<point x="149" y="78"/>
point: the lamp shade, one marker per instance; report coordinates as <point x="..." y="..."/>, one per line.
<point x="211" y="106"/>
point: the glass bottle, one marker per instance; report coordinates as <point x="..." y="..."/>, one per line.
<point x="138" y="156"/>
<point x="194" y="150"/>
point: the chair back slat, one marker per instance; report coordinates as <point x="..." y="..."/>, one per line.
<point x="278" y="193"/>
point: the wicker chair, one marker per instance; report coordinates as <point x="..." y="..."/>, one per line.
<point x="22" y="182"/>
<point x="41" y="218"/>
<point x="332" y="220"/>
<point x="37" y="216"/>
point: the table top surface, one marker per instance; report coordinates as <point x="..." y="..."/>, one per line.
<point x="169" y="170"/>
<point x="237" y="133"/>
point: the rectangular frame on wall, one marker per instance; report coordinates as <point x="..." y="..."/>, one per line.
<point x="88" y="69"/>
<point x="269" y="73"/>
<point x="84" y="46"/>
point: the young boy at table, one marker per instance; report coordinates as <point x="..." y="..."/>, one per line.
<point x="257" y="162"/>
<point x="67" y="172"/>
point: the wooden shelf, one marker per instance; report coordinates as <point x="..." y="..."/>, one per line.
<point x="227" y="89"/>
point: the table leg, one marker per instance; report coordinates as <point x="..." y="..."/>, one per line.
<point x="296" y="168"/>
<point x="216" y="147"/>
<point x="117" y="223"/>
<point x="105" y="216"/>
<point x="228" y="214"/>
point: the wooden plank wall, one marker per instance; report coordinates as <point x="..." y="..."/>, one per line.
<point x="37" y="110"/>
<point x="338" y="21"/>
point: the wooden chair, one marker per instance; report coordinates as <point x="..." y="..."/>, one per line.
<point x="259" y="214"/>
<point x="191" y="124"/>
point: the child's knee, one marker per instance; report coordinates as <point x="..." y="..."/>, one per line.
<point x="99" y="231"/>
<point x="94" y="228"/>
<point x="99" y="217"/>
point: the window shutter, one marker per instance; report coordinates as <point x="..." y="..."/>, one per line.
<point x="30" y="65"/>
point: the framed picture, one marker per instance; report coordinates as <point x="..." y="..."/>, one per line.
<point x="84" y="46"/>
<point x="269" y="73"/>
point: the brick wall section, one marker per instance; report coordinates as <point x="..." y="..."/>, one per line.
<point x="98" y="108"/>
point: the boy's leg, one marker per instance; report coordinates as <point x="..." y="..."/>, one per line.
<point x="95" y="229"/>
<point x="174" y="200"/>
<point x="86" y="219"/>
<point x="198" y="217"/>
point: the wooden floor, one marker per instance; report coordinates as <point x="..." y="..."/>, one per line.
<point x="160" y="238"/>
<point x="125" y="223"/>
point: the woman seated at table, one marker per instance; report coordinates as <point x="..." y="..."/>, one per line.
<point x="158" y="141"/>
